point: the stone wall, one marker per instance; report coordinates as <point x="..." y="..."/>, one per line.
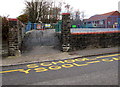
<point x="11" y="43"/>
<point x="65" y="31"/>
<point x="95" y="41"/>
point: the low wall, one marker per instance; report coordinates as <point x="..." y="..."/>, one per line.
<point x="95" y="40"/>
<point x="92" y="40"/>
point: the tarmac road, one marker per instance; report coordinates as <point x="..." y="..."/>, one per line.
<point x="95" y="70"/>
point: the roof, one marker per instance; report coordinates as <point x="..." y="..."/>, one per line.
<point x="108" y="14"/>
<point x="103" y="16"/>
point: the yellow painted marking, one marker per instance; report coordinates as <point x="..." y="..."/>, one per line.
<point x="116" y="58"/>
<point x="41" y="69"/>
<point x="93" y="62"/>
<point x="55" y="67"/>
<point x="20" y="70"/>
<point x="46" y="64"/>
<point x="69" y="61"/>
<point x="80" y="64"/>
<point x="10" y="71"/>
<point x="93" y="59"/>
<point x="82" y="59"/>
<point x="67" y="65"/>
<point x="32" y="66"/>
<point x="106" y="60"/>
<point x="108" y="56"/>
<point x="25" y="71"/>
<point x="58" y="62"/>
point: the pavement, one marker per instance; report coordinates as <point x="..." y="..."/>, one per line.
<point x="47" y="53"/>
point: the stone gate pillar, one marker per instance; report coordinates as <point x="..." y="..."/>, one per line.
<point x="13" y="41"/>
<point x="65" y="32"/>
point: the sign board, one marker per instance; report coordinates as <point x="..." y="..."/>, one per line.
<point x="39" y="26"/>
<point x="74" y="26"/>
<point x="47" y="25"/>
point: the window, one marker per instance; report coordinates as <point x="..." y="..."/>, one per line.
<point x="102" y="22"/>
<point x="109" y="22"/>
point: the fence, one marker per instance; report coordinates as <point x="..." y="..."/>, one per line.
<point x="37" y="26"/>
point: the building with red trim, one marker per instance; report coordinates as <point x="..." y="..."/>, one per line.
<point x="106" y="20"/>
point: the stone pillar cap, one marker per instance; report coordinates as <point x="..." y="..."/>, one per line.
<point x="65" y="13"/>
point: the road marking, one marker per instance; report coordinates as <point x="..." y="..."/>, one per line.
<point x="10" y="71"/>
<point x="32" y="66"/>
<point x="65" y="64"/>
<point x="69" y="61"/>
<point x="107" y="60"/>
<point x="41" y="69"/>
<point x="25" y="71"/>
<point x="20" y="70"/>
<point x="58" y="62"/>
<point x="82" y="59"/>
<point x="46" y="64"/>
<point x="116" y="58"/>
<point x="80" y="64"/>
<point x="93" y="62"/>
<point x="93" y="59"/>
<point x="55" y="67"/>
<point x="108" y="56"/>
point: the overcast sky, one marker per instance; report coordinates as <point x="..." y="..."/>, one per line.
<point x="14" y="8"/>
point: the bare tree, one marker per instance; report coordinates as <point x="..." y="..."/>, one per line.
<point x="37" y="10"/>
<point x="41" y="10"/>
<point x="83" y="15"/>
<point x="77" y="14"/>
